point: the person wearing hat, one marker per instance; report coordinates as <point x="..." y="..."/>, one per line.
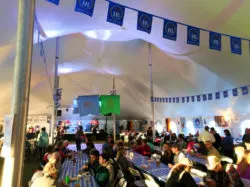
<point x="180" y="175"/>
<point x="206" y="135"/>
<point x="217" y="175"/>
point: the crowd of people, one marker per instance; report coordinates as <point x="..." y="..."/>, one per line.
<point x="112" y="160"/>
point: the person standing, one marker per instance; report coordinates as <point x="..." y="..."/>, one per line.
<point x="78" y="136"/>
<point x="228" y="144"/>
<point x="217" y="143"/>
<point x="43" y="142"/>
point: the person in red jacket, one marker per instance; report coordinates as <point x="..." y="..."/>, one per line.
<point x="143" y="149"/>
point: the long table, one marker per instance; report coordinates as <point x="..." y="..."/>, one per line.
<point x="68" y="169"/>
<point x="159" y="172"/>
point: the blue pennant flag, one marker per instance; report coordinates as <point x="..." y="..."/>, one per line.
<point x="88" y="105"/>
<point x="235" y="92"/>
<point x="115" y="13"/>
<point x="170" y="30"/>
<point x="198" y="98"/>
<point x="158" y="99"/>
<point x="152" y="99"/>
<point x="225" y="93"/>
<point x="244" y="90"/>
<point x="193" y="35"/>
<point x="210" y="96"/>
<point x="174" y="100"/>
<point x="155" y="99"/>
<point x="215" y="41"/>
<point x="183" y="99"/>
<point x="217" y="95"/>
<point x="235" y="45"/>
<point x="85" y="6"/>
<point x="177" y="99"/>
<point x="144" y="22"/>
<point x="192" y="98"/>
<point x="166" y="100"/>
<point x="163" y="100"/>
<point x="204" y="97"/>
<point x="187" y="99"/>
<point x="56" y="2"/>
<point x="169" y="100"/>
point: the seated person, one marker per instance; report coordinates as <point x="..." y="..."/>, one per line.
<point x="212" y="151"/>
<point x="48" y="154"/>
<point x="108" y="146"/>
<point x="216" y="176"/>
<point x="93" y="162"/>
<point x="143" y="149"/>
<point x="243" y="165"/>
<point x="64" y="148"/>
<point x="50" y="169"/>
<point x="180" y="175"/>
<point x="178" y="155"/>
<point x="167" y="155"/>
<point x="105" y="161"/>
<point x="89" y="145"/>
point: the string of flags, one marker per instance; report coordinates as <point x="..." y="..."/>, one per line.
<point x="116" y="14"/>
<point x="203" y="97"/>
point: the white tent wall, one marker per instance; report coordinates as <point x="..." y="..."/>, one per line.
<point x="88" y="65"/>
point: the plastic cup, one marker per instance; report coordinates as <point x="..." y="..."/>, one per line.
<point x="67" y="179"/>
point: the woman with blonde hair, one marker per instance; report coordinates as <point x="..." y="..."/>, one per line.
<point x="243" y="166"/>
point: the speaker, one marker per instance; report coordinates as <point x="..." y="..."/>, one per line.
<point x="59" y="113"/>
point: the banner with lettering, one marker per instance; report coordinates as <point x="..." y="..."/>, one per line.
<point x="88" y="105"/>
<point x="144" y="22"/>
<point x="215" y="41"/>
<point x="170" y="30"/>
<point x="193" y="36"/>
<point x="85" y="6"/>
<point x="116" y="13"/>
<point x="235" y="45"/>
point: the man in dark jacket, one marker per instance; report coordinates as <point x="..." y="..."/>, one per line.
<point x="217" y="143"/>
<point x="93" y="164"/>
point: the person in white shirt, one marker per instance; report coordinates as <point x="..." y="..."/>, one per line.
<point x="206" y="136"/>
<point x="178" y="155"/>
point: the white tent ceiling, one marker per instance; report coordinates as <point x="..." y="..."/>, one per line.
<point x="92" y="51"/>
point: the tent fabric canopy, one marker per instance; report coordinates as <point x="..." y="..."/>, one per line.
<point x="93" y="51"/>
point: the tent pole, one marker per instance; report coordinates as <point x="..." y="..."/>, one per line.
<point x="151" y="86"/>
<point x="56" y="86"/>
<point x="114" y="128"/>
<point x="15" y="140"/>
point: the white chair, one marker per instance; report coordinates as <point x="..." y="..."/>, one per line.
<point x="149" y="180"/>
<point x="226" y="159"/>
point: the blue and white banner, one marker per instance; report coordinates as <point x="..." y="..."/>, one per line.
<point x="225" y="93"/>
<point x="215" y="41"/>
<point x="56" y="2"/>
<point x="235" y="92"/>
<point x="204" y="97"/>
<point x="85" y="6"/>
<point x="210" y="96"/>
<point x="217" y="95"/>
<point x="198" y="98"/>
<point x="88" y="105"/>
<point x="235" y="45"/>
<point x="144" y="22"/>
<point x="170" y="30"/>
<point x="193" y="35"/>
<point x="244" y="90"/>
<point x="116" y="13"/>
<point x="192" y="98"/>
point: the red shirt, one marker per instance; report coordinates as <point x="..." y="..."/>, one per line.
<point x="143" y="150"/>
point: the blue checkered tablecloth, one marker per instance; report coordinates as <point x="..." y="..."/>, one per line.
<point x="201" y="161"/>
<point x="73" y="170"/>
<point x="160" y="172"/>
